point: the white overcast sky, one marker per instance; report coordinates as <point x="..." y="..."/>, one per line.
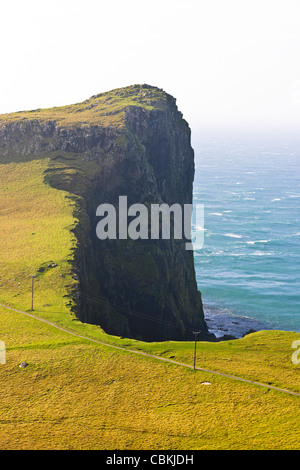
<point x="226" y="61"/>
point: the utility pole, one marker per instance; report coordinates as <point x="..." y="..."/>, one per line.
<point x="32" y="278"/>
<point x="195" y="333"/>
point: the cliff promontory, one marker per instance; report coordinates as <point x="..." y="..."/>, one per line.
<point x="129" y="142"/>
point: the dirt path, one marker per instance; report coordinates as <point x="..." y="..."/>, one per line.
<point x="141" y="353"/>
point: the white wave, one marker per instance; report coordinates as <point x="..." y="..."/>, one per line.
<point x="252" y="242"/>
<point x="263" y="253"/>
<point x="215" y="213"/>
<point x="233" y="235"/>
<point x="200" y="228"/>
<point x="255" y="253"/>
<point x="212" y="253"/>
<point x="277" y="199"/>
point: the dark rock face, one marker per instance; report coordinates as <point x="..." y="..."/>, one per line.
<point x="145" y="279"/>
<point x="135" y="288"/>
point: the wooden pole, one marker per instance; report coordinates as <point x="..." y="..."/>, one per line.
<point x="195" y="333"/>
<point x="32" y="278"/>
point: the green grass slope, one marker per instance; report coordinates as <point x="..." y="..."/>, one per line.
<point x="37" y="239"/>
<point x="75" y="394"/>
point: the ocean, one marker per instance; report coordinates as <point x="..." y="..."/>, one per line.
<point x="248" y="270"/>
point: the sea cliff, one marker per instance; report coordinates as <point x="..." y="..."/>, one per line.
<point x="129" y="142"/>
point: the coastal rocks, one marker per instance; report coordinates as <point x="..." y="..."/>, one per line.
<point x="226" y="325"/>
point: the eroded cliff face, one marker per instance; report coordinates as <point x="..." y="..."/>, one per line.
<point x="133" y="288"/>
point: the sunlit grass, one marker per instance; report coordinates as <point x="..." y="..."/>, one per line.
<point x="106" y="109"/>
<point x="36" y="237"/>
<point x="79" y="395"/>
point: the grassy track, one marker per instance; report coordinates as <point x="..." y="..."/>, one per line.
<point x="240" y="379"/>
<point x="76" y="394"/>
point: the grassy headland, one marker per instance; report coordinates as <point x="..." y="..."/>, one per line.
<point x="105" y="109"/>
<point x="75" y="394"/>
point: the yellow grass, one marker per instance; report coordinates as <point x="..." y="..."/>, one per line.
<point x="36" y="222"/>
<point x="78" y="395"/>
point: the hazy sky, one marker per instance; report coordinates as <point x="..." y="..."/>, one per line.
<point x="224" y="60"/>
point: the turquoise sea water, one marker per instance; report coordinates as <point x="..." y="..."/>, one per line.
<point x="249" y="267"/>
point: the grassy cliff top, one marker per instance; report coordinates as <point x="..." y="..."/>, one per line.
<point x="105" y="109"/>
